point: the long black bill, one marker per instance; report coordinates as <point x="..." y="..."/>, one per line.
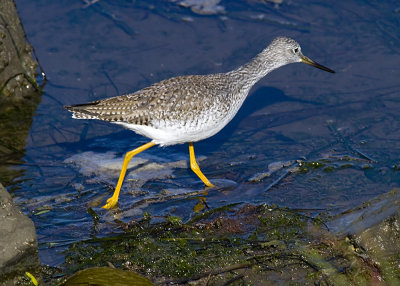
<point x="310" y="62"/>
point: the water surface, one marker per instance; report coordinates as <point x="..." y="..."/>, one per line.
<point x="348" y="122"/>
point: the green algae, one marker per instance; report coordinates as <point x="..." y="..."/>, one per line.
<point x="332" y="164"/>
<point x="245" y="244"/>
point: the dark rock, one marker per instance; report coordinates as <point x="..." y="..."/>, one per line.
<point x="17" y="67"/>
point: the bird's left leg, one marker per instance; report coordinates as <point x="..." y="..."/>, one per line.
<point x="195" y="168"/>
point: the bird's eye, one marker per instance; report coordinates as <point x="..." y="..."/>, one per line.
<point x="295" y="50"/>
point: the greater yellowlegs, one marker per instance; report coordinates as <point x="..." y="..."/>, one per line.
<point x="188" y="108"/>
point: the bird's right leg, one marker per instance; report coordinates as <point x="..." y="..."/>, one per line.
<point x="112" y="202"/>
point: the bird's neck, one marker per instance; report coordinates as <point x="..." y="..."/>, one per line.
<point x="256" y="69"/>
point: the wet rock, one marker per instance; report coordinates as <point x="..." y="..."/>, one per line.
<point x="17" y="67"/>
<point x="367" y="216"/>
<point x="375" y="228"/>
<point x="18" y="241"/>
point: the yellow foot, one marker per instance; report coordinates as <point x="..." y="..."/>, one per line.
<point x="111" y="203"/>
<point x="208" y="184"/>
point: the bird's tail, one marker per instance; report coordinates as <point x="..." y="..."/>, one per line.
<point x="84" y="111"/>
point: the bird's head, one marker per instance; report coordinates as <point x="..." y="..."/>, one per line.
<point x="288" y="51"/>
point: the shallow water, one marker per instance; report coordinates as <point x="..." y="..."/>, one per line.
<point x="348" y="122"/>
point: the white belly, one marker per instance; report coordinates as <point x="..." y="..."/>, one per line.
<point x="171" y="135"/>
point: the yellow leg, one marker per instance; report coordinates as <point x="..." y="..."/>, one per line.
<point x="112" y="202"/>
<point x="195" y="168"/>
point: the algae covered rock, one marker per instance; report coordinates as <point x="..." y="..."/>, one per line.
<point x="375" y="228"/>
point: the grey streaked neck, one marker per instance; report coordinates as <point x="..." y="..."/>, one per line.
<point x="257" y="68"/>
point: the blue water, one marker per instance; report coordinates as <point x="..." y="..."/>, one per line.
<point x="110" y="48"/>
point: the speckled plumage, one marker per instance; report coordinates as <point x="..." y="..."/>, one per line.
<point x="194" y="107"/>
<point x="188" y="108"/>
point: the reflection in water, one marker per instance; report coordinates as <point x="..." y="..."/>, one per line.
<point x="19" y="93"/>
<point x="296" y="113"/>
